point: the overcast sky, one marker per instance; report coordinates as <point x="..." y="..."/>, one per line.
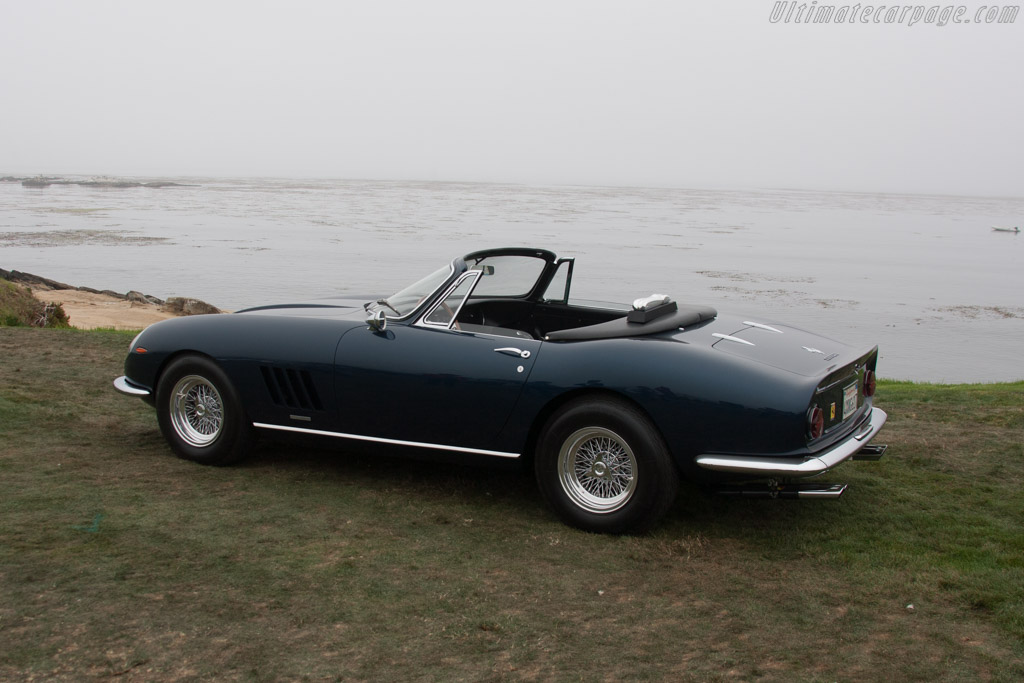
<point x="666" y="93"/>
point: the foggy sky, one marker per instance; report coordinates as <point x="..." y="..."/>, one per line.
<point x="665" y="93"/>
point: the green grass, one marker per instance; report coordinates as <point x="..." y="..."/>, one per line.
<point x="119" y="560"/>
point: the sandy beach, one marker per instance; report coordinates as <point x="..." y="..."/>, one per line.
<point x="88" y="310"/>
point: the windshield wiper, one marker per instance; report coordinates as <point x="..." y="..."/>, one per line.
<point x="384" y="302"/>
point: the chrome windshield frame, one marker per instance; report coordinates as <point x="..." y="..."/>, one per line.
<point x="459" y="266"/>
<point x="455" y="269"/>
<point x="423" y="322"/>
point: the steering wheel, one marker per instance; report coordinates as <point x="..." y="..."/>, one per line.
<point x="451" y="313"/>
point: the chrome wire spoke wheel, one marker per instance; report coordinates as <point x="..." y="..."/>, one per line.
<point x="196" y="411"/>
<point x="200" y="413"/>
<point x="597" y="469"/>
<point x="602" y="466"/>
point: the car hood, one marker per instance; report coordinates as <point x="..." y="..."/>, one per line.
<point x="330" y="307"/>
<point x="776" y="344"/>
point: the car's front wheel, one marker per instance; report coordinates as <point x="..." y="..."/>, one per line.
<point x="200" y="414"/>
<point x="602" y="466"/>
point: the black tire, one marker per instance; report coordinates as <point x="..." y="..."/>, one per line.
<point x="602" y="466"/>
<point x="200" y="414"/>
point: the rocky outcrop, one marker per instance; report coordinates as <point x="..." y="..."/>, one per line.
<point x="140" y="298"/>
<point x="32" y="280"/>
<point x="174" y="305"/>
<point x="184" y="306"/>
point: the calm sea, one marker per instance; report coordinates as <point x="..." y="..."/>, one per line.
<point x="925" y="277"/>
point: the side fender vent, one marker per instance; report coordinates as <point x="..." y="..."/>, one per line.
<point x="291" y="388"/>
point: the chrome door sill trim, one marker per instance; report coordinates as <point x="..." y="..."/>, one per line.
<point x="378" y="439"/>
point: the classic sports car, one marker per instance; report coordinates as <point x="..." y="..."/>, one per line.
<point x="488" y="357"/>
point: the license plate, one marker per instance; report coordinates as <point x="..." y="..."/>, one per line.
<point x="849" y="401"/>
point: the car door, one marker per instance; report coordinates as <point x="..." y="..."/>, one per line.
<point x="430" y="386"/>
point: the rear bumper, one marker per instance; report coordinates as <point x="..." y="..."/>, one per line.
<point x="125" y="386"/>
<point x="761" y="467"/>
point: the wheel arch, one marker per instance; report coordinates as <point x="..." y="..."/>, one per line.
<point x="562" y="400"/>
<point x="172" y="357"/>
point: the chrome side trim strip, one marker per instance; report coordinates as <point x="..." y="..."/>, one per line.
<point x="728" y="337"/>
<point x="378" y="439"/>
<point x="792" y="467"/>
<point x="125" y="387"/>
<point x="762" y="326"/>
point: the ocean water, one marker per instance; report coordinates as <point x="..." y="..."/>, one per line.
<point x="924" y="277"/>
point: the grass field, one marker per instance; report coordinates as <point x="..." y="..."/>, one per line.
<point x="119" y="561"/>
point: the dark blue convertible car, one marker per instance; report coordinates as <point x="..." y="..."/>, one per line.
<point x="488" y="357"/>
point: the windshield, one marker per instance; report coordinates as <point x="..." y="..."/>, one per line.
<point x="406" y="300"/>
<point x="504" y="273"/>
<point x="507" y="275"/>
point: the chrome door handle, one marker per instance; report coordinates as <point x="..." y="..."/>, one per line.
<point x="512" y="351"/>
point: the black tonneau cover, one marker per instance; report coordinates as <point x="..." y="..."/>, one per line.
<point x="685" y="316"/>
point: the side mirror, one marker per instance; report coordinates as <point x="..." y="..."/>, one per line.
<point x="378" y="321"/>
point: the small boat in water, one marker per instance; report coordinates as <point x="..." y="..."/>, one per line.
<point x="1005" y="229"/>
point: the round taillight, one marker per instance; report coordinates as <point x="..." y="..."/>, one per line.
<point x="869" y="384"/>
<point x="815" y="422"/>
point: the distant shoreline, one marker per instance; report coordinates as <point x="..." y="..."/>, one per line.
<point x="923" y="278"/>
<point x="47" y="181"/>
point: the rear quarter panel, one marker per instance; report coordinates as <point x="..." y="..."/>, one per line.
<point x="701" y="400"/>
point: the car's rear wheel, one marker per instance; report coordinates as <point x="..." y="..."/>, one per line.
<point x="200" y="414"/>
<point x="602" y="466"/>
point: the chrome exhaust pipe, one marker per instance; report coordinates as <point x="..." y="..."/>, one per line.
<point x="784" y="491"/>
<point x="871" y="452"/>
